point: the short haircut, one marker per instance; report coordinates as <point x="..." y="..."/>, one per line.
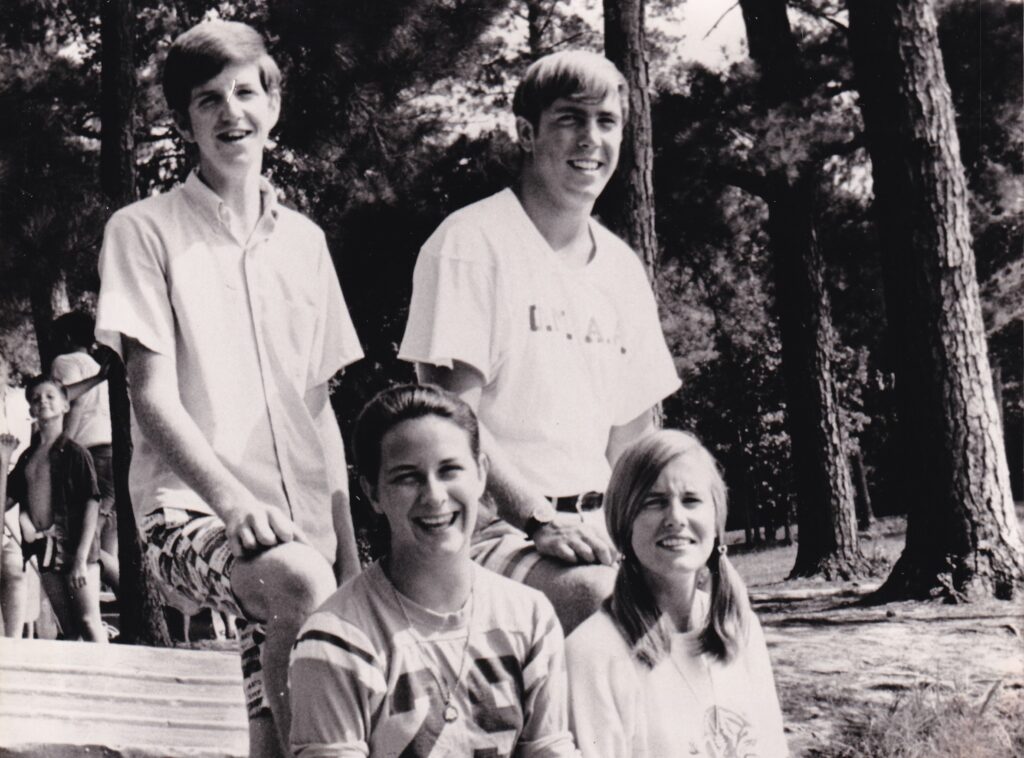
<point x="570" y="74"/>
<point x="405" y="402"/>
<point x="76" y="327"/>
<point x="39" y="381"/>
<point x="632" y="604"/>
<point x="202" y="52"/>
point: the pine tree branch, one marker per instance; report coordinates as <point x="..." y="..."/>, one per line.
<point x="720" y="20"/>
<point x="809" y="10"/>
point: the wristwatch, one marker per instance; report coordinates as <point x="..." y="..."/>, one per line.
<point x="541" y="516"/>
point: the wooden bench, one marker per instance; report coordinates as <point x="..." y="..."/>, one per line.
<point x="64" y="699"/>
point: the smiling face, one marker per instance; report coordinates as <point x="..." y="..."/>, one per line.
<point x="229" y="119"/>
<point x="574" y="147"/>
<point x="428" y="488"/>
<point x="47" y="401"/>
<point x="674" y="531"/>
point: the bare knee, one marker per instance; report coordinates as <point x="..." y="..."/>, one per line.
<point x="576" y="592"/>
<point x="286" y="583"/>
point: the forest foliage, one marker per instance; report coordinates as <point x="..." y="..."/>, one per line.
<point x="396" y="113"/>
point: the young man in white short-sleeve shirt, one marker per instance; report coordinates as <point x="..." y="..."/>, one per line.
<point x="227" y="310"/>
<point x="545" y="323"/>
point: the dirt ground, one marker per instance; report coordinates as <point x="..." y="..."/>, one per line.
<point x="837" y="663"/>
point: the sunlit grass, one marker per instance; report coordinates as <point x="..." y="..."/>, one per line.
<point x="936" y="721"/>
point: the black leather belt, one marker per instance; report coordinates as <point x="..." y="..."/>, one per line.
<point x="588" y="501"/>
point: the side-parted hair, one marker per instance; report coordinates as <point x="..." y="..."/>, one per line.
<point x="632" y="604"/>
<point x="405" y="402"/>
<point x="202" y="52"/>
<point x="571" y="74"/>
<point x="38" y="381"/>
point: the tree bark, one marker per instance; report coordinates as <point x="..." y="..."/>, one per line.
<point x="828" y="542"/>
<point x="630" y="195"/>
<point x="48" y="299"/>
<point x="963" y="537"/>
<point x="535" y="16"/>
<point x="139" y="602"/>
<point x="117" y="101"/>
<point x="772" y="46"/>
<point x="865" y="513"/>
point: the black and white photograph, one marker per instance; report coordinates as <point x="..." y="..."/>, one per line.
<point x="512" y="378"/>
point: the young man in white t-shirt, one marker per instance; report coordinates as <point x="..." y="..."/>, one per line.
<point x="88" y="424"/>
<point x="545" y="323"/>
<point x="227" y="310"/>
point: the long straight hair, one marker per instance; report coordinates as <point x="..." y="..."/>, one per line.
<point x="632" y="604"/>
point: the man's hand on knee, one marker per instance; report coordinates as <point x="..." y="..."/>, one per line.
<point x="252" y="526"/>
<point x="568" y="539"/>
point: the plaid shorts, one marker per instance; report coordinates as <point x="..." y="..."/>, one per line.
<point x="189" y="553"/>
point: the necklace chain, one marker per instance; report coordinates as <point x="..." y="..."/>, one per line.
<point x="711" y="682"/>
<point x="449" y="712"/>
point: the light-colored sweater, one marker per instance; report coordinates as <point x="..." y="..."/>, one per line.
<point x="689" y="704"/>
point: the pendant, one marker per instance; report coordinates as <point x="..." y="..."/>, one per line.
<point x="450" y="713"/>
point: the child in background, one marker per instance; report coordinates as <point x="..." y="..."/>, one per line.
<point x="666" y="669"/>
<point x="55" y="484"/>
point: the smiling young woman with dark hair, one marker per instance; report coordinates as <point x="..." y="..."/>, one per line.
<point x="667" y="669"/>
<point x="425" y="653"/>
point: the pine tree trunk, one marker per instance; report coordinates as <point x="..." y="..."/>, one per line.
<point x="48" y="299"/>
<point x="865" y="514"/>
<point x="117" y="101"/>
<point x="139" y="603"/>
<point x="630" y="195"/>
<point x="535" y="15"/>
<point x="962" y="533"/>
<point x="828" y="542"/>
<point x="771" y="44"/>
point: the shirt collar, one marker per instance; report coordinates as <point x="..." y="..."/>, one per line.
<point x="55" y="449"/>
<point x="211" y="203"/>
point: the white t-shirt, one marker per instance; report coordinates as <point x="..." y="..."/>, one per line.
<point x="364" y="682"/>
<point x="565" y="353"/>
<point x="253" y="327"/>
<point x="621" y="709"/>
<point x="92" y="426"/>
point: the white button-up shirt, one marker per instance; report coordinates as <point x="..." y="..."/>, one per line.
<point x="253" y="326"/>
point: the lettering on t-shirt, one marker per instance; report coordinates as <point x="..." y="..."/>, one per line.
<point x="546" y="319"/>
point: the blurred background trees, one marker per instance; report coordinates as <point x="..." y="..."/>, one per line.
<point x="769" y="261"/>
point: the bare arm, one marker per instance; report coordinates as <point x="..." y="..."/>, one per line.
<point x="565" y="537"/>
<point x="8" y="444"/>
<point x="79" y="388"/>
<point x="623" y="436"/>
<point x="250" y="524"/>
<point x="78" y="573"/>
<point x="346" y="561"/>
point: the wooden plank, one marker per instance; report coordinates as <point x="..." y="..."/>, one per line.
<point x="74" y="698"/>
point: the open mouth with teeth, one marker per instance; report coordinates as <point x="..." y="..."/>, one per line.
<point x="585" y="165"/>
<point x="675" y="541"/>
<point x="233" y="135"/>
<point x="436" y="523"/>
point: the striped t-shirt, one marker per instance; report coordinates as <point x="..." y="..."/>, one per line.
<point x="364" y="683"/>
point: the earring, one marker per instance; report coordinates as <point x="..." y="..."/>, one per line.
<point x="722" y="550"/>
